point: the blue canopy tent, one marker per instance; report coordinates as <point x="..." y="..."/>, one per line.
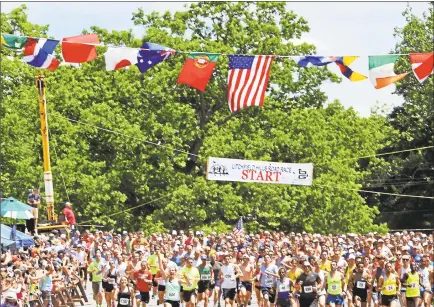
<point x="6" y="242"/>
<point x="21" y="239"/>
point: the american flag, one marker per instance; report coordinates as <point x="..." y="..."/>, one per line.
<point x="248" y="80"/>
<point x="239" y="227"/>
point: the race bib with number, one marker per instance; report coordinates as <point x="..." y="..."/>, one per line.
<point x="228" y="276"/>
<point x="172" y="294"/>
<point x="307" y="289"/>
<point x="124" y="301"/>
<point x="361" y="285"/>
<point x="334" y="287"/>
<point x="269" y="280"/>
<point x="413" y="285"/>
<point x="111" y="281"/>
<point x="205" y="277"/>
<point x="390" y="287"/>
<point x="283" y="288"/>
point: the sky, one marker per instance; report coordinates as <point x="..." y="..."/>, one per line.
<point x="336" y="28"/>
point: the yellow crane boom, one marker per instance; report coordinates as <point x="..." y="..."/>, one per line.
<point x="48" y="179"/>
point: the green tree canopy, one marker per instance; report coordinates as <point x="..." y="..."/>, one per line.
<point x="121" y="140"/>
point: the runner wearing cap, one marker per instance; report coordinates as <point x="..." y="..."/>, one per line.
<point x="411" y="280"/>
<point x="10" y="300"/>
<point x="308" y="283"/>
<point x="389" y="285"/>
<point x="206" y="276"/>
<point x="283" y="289"/>
<point x="246" y="278"/>
<point x="34" y="287"/>
<point x="404" y="269"/>
<point x="335" y="285"/>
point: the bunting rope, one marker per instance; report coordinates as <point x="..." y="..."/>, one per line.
<point x="187" y="52"/>
<point x="248" y="74"/>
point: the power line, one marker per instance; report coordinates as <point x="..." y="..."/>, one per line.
<point x="122" y="211"/>
<point x="374" y="192"/>
<point x="388" y="153"/>
<point x="126" y="135"/>
<point x="399" y="185"/>
<point x="181" y="151"/>
<point x="406" y="211"/>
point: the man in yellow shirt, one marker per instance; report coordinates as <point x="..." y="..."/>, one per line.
<point x="155" y="267"/>
<point x="191" y="274"/>
<point x="97" y="269"/>
<point x="390" y="286"/>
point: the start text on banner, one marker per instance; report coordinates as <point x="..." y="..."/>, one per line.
<point x="259" y="171"/>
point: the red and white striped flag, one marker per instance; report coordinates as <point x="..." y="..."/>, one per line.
<point x="248" y="80"/>
<point x="239" y="228"/>
<point x="422" y="65"/>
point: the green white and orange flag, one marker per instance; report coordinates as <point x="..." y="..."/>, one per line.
<point x="198" y="69"/>
<point x="381" y="70"/>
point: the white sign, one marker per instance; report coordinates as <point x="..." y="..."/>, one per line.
<point x="259" y="171"/>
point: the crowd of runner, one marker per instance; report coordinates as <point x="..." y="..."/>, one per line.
<point x="176" y="269"/>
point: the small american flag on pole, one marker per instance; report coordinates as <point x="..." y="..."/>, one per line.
<point x="239" y="227"/>
<point x="248" y="80"/>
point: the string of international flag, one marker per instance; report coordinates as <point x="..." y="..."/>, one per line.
<point x="248" y="75"/>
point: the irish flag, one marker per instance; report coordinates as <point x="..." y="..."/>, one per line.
<point x="198" y="69"/>
<point x="381" y="70"/>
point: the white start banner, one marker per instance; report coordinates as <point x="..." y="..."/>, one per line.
<point x="223" y="169"/>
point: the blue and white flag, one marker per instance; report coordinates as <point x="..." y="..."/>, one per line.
<point x="147" y="59"/>
<point x="313" y="60"/>
<point x="38" y="52"/>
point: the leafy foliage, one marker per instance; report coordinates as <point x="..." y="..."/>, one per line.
<point x="104" y="127"/>
<point x="410" y="172"/>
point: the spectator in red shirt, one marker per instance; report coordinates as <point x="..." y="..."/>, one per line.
<point x="69" y="216"/>
<point x="143" y="278"/>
